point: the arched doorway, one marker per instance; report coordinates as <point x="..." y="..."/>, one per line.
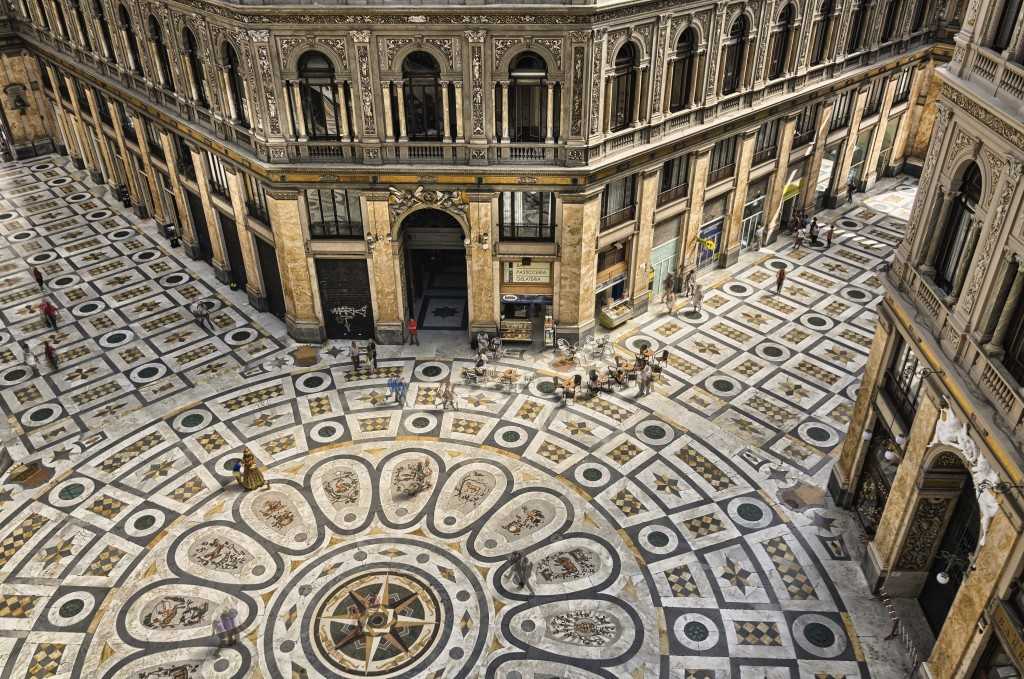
<point x="434" y="261"/>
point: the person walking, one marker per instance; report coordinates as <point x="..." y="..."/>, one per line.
<point x="38" y="275"/>
<point x="202" y="314"/>
<point x="371" y="354"/>
<point x="49" y="313"/>
<point x="520" y="569"/>
<point x="668" y="296"/>
<point x="30" y="358"/>
<point x="780" y="278"/>
<point x="401" y="389"/>
<point x="691" y="279"/>
<point x="644" y="380"/>
<point x="414" y="337"/>
<point x="851" y="188"/>
<point x="51" y="355"/>
<point x="698" y="297"/>
<point x="828" y="235"/>
<point x="353" y="353"/>
<point x="448" y="397"/>
<point x="392" y="389"/>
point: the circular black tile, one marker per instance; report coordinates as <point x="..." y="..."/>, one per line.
<point x="144" y="522"/>
<point x="456" y="653"/>
<point x="287" y="646"/>
<point x="432" y="371"/>
<point x="723" y="385"/>
<point x="147" y="372"/>
<point x="654" y="431"/>
<point x="71" y="491"/>
<point x="421" y="422"/>
<point x="592" y="474"/>
<point x="657" y="538"/>
<point x="71" y="608"/>
<point x="818" y="434"/>
<point x="819" y="635"/>
<point x="41" y="414"/>
<point x="15" y="375"/>
<point x="192" y="420"/>
<point x="774" y="352"/>
<point x="816" y="321"/>
<point x="692" y="315"/>
<point x="528" y="625"/>
<point x="696" y="631"/>
<point x="546" y="387"/>
<point x="750" y="512"/>
<point x="313" y="381"/>
<point x="221" y="665"/>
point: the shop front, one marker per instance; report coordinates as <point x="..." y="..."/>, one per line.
<point x="664" y="255"/>
<point x="753" y="215"/>
<point x="345" y="298"/>
<point x="527" y="288"/>
<point x="709" y="239"/>
<point x="885" y="152"/>
<point x="824" y="179"/>
<point x="860" y="152"/>
<point x="611" y="299"/>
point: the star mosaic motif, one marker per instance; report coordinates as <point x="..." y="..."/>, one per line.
<point x="56" y="552"/>
<point x="666" y="484"/>
<point x="736" y="575"/>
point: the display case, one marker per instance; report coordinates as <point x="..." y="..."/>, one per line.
<point x="515" y="330"/>
<point x="615" y="314"/>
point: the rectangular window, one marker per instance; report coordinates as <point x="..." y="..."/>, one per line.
<point x="62" y="86"/>
<point x="334" y="213"/>
<point x="723" y="160"/>
<point x="767" y="141"/>
<point x="902" y="92"/>
<point x="83" y="101"/>
<point x="256" y="199"/>
<point x="618" y="203"/>
<point x="875" y="94"/>
<point x="45" y="75"/>
<point x="153" y="141"/>
<point x="527" y="215"/>
<point x="218" y="176"/>
<point x="841" y="112"/>
<point x="102" y="107"/>
<point x="903" y="381"/>
<point x="185" y="164"/>
<point x="675" y="179"/>
<point x="127" y="128"/>
<point x="805" y="122"/>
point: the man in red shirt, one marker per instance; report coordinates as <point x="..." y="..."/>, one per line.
<point x="49" y="312"/>
<point x="414" y="338"/>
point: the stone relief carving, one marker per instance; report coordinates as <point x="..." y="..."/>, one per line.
<point x="503" y="45"/>
<point x="401" y="201"/>
<point x="930" y="161"/>
<point x="614" y="38"/>
<point x="951" y="432"/>
<point x="447" y="47"/>
<point x="267" y="78"/>
<point x="476" y="84"/>
<point x="1014" y="172"/>
<point x="960" y="142"/>
<point x="996" y="165"/>
<point x="576" y="112"/>
<point x="659" y="67"/>
<point x="925" y="531"/>
<point x="361" y="38"/>
<point x="983" y="115"/>
<point x="713" y="45"/>
<point x="388" y="47"/>
<point x="596" y="78"/>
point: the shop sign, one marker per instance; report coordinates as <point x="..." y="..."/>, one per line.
<point x="537" y="273"/>
<point x="791" y="189"/>
<point x="509" y="298"/>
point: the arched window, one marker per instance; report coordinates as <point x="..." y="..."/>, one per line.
<point x="684" y="64"/>
<point x="735" y="55"/>
<point x="129" y="39"/>
<point x="892" y="13"/>
<point x="163" y="59"/>
<point x="782" y="37"/>
<point x="62" y="24"/>
<point x="857" y="28"/>
<point x="195" y="67"/>
<point x="42" y="15"/>
<point x="423" y="116"/>
<point x="530" y="100"/>
<point x="1008" y="15"/>
<point x="319" y="96"/>
<point x="953" y="246"/>
<point x="623" y="88"/>
<point x="236" y="90"/>
<point x="76" y="7"/>
<point x="822" y="33"/>
<point x="101" y="19"/>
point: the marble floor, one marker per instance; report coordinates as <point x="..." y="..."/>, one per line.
<point x="686" y="533"/>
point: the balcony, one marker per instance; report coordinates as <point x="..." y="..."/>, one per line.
<point x="764" y="155"/>
<point x="721" y="174"/>
<point x="528" y="232"/>
<point x="613" y="219"/>
<point x="803" y="138"/>
<point x="1003" y="78"/>
<point x="257" y="212"/>
<point x="673" y="194"/>
<point x="328" y="230"/>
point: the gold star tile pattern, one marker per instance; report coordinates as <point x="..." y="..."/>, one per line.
<point x="374" y="424"/>
<point x="705" y="468"/>
<point x="624" y="452"/>
<point x="279" y="444"/>
<point x="628" y="503"/>
<point x="211" y="441"/>
<point x="555" y="453"/>
<point x="106" y="506"/>
<point x="703" y="526"/>
<point x="792" y="573"/>
<point x="465" y="426"/>
<point x="320" y="405"/>
<point x="187" y="490"/>
<point x="529" y="410"/>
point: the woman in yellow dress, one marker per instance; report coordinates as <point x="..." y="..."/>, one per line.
<point x="248" y="473"/>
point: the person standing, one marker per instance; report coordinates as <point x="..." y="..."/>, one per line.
<point x="49" y="313"/>
<point x="698" y="297"/>
<point x="38" y="275"/>
<point x="414" y="337"/>
<point x="30" y="358"/>
<point x="353" y="353"/>
<point x="371" y="354"/>
<point x="201" y="313"/>
<point x="828" y="236"/>
<point x="403" y="388"/>
<point x="780" y="278"/>
<point x="51" y="355"/>
<point x="225" y="626"/>
<point x="392" y="389"/>
<point x="247" y="473"/>
<point x="645" y="379"/>
<point x="448" y="397"/>
<point x="851" y="188"/>
<point x="668" y="286"/>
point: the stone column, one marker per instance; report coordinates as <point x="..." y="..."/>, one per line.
<point x="777" y="184"/>
<point x="734" y="222"/>
<point x="293" y="262"/>
<point x="445" y="116"/>
<point x="229" y="95"/>
<point x="289" y="111"/>
<point x="483" y="305"/>
<point x="78" y="128"/>
<point x="101" y="140"/>
<point x="221" y="267"/>
<point x="883" y="555"/>
<point x="389" y="125"/>
<point x="932" y="249"/>
<point x="846" y="471"/>
<point x="964" y="264"/>
<point x="607" y="126"/>
<point x="254" y="288"/>
<point x="699" y="167"/>
<point x="820" y="137"/>
<point x="837" y="191"/>
<point x="875" y="148"/>
<point x="637" y="96"/>
<point x="549" y="125"/>
<point x="643" y="240"/>
<point x="300" y="115"/>
<point x="147" y="164"/>
<point x="384" y="263"/>
<point x="400" y="90"/>
<point x="994" y="347"/>
<point x="504" y="112"/>
<point x="459" y="134"/>
<point x="138" y="202"/>
<point x="343" y="123"/>
<point x="574" y="315"/>
<point x="188" y="234"/>
<point x="899" y="142"/>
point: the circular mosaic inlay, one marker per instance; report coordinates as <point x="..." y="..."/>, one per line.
<point x="240" y="336"/>
<point x="696" y="631"/>
<point x="147" y="373"/>
<point x="71" y="608"/>
<point x="327" y="432"/>
<point x="116" y="338"/>
<point x="510" y="436"/>
<point x="87" y="308"/>
<point x="313" y="382"/>
<point x="97" y="215"/>
<point x="173" y="279"/>
<point x="432" y="371"/>
<point x="592" y="475"/>
<point x="192" y="421"/>
<point x="42" y="258"/>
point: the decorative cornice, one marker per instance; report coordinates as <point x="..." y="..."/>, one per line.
<point x="983" y="115"/>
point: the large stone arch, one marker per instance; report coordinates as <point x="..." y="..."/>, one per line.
<point x="398" y="218"/>
<point x="394" y="69"/>
<point x="550" y="61"/>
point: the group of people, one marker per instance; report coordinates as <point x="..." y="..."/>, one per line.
<point x="355" y="353"/>
<point x="645" y="369"/>
<point x="811" y="231"/>
<point x="687" y="284"/>
<point x="488" y="347"/>
<point x="398" y="388"/>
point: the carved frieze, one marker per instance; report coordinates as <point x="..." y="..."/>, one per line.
<point x="401" y="201"/>
<point x="596" y="78"/>
<point x="388" y="47"/>
<point x="553" y="45"/>
<point x="926" y="529"/>
<point x="361" y="39"/>
<point x="576" y="111"/>
<point x="614" y="39"/>
<point x="659" y="66"/>
<point x="267" y="80"/>
<point x="447" y="47"/>
<point x="984" y="116"/>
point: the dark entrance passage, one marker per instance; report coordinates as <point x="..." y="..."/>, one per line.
<point x="234" y="248"/>
<point x="345" y="298"/>
<point x="435" y="270"/>
<point x="195" y="208"/>
<point x="271" y="277"/>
